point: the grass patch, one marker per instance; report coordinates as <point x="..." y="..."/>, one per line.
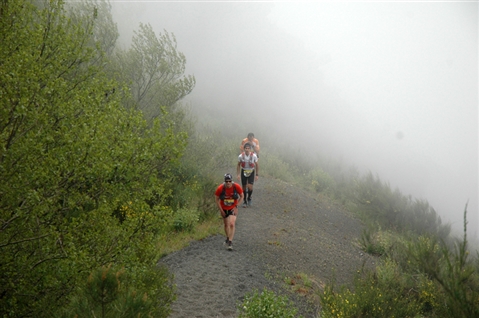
<point x="266" y="304"/>
<point x="175" y="241"/>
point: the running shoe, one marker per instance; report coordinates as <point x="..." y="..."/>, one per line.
<point x="230" y="246"/>
<point x="245" y="205"/>
<point x="249" y="202"/>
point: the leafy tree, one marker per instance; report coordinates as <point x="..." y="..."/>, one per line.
<point x="98" y="13"/>
<point x="154" y="69"/>
<point x="80" y="173"/>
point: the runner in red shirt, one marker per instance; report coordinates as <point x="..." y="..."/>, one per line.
<point x="227" y="196"/>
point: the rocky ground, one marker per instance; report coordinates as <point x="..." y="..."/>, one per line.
<point x="287" y="232"/>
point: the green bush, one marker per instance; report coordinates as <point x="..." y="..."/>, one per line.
<point x="370" y="297"/>
<point x="85" y="180"/>
<point x="266" y="305"/>
<point x="378" y="203"/>
<point x="453" y="271"/>
<point x="273" y="165"/>
<point x="110" y="293"/>
<point x="321" y="181"/>
<point x="371" y="244"/>
<point x="185" y="220"/>
<point x="418" y="276"/>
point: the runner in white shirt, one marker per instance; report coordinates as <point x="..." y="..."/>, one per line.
<point x="247" y="170"/>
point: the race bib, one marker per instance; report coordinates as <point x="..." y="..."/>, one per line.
<point x="247" y="172"/>
<point x="229" y="202"/>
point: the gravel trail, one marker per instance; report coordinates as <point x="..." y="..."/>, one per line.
<point x="288" y="231"/>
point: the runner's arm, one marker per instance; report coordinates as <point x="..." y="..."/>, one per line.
<point x="256" y="148"/>
<point x="241" y="199"/>
<point x="218" y="204"/>
<point x="238" y="170"/>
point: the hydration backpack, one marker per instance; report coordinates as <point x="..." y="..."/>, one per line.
<point x="243" y="161"/>
<point x="236" y="196"/>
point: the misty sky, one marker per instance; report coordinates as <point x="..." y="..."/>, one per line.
<point x="390" y="87"/>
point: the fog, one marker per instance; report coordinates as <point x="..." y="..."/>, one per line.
<point x="388" y="87"/>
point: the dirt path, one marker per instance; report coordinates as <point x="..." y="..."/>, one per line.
<point x="288" y="231"/>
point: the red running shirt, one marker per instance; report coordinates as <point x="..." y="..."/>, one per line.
<point x="228" y="203"/>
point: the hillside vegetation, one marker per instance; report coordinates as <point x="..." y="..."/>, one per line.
<point x="103" y="171"/>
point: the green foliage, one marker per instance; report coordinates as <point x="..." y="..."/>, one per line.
<point x="266" y="305"/>
<point x="371" y="244"/>
<point x="97" y="14"/>
<point x="371" y="298"/>
<point x="321" y="181"/>
<point x="154" y="69"/>
<point x="419" y="276"/>
<point x="306" y="281"/>
<point x="294" y="167"/>
<point x="274" y="165"/>
<point x="71" y="156"/>
<point x="391" y="209"/>
<point x="185" y="220"/>
<point x="208" y="156"/>
<point x="112" y="293"/>
<point x="210" y="151"/>
<point x="452" y="270"/>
